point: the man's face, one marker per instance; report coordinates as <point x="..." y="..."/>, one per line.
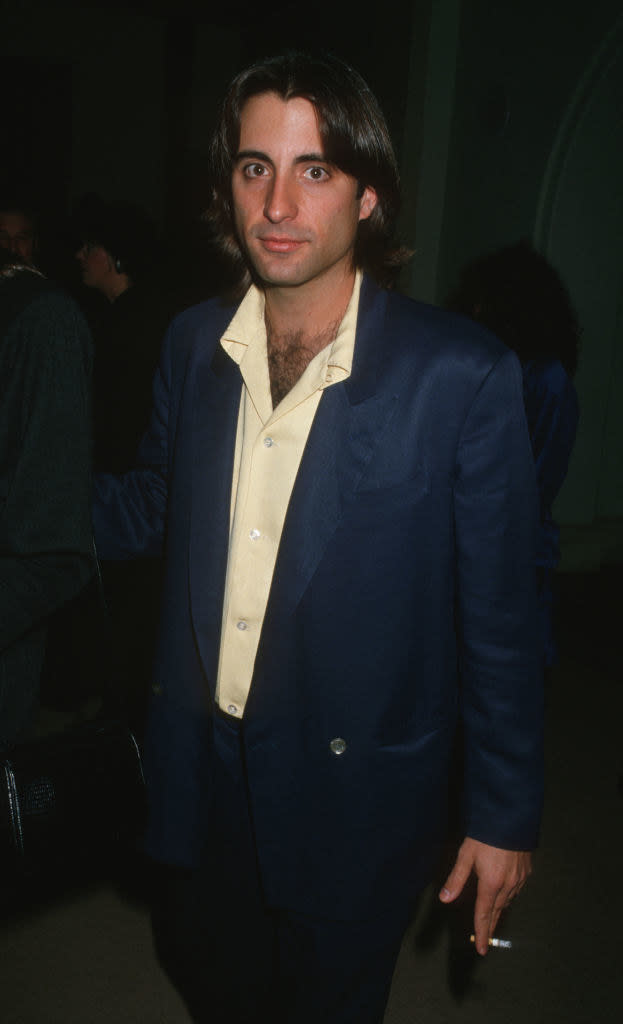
<point x="296" y="214"/>
<point x="96" y="265"/>
<point x="17" y="235"/>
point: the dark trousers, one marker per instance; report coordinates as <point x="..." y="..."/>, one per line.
<point x="235" y="960"/>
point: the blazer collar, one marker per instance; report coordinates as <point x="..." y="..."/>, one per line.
<point x="363" y="381"/>
<point x="344" y="437"/>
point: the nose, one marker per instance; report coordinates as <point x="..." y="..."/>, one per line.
<point x="281" y="201"/>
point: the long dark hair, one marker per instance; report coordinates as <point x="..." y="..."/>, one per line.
<point x="518" y="295"/>
<point x="355" y="139"/>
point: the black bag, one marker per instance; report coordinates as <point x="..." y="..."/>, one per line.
<point x="69" y="801"/>
<point x="72" y="800"/>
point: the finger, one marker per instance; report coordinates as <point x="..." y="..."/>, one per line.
<point x="491" y="899"/>
<point x="483" y="919"/>
<point x="455" y="882"/>
<point x="490" y="902"/>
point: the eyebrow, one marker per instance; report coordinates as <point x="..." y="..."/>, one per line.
<point x="304" y="158"/>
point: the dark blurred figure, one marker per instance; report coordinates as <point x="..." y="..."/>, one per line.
<point x="118" y="257"/>
<point x="45" y="475"/>
<point x="18" y="229"/>
<point x="38" y="233"/>
<point x="519" y="296"/>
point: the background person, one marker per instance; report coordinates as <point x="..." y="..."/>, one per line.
<point x="45" y="477"/>
<point x="118" y="258"/>
<point x="18" y="230"/>
<point x="519" y="296"/>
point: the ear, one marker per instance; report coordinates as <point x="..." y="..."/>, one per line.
<point x="367" y="202"/>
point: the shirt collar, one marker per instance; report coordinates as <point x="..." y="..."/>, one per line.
<point x="246" y="336"/>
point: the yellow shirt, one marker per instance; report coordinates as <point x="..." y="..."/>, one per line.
<point x="269" y="448"/>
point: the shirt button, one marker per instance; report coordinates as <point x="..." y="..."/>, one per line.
<point x="337" y="746"/>
<point x="233" y="710"/>
<point x="254" y="534"/>
<point x="268" y="442"/>
<point x="241" y="625"/>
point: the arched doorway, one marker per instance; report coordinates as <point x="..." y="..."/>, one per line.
<point x="580" y="228"/>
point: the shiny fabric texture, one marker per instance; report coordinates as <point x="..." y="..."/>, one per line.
<point x="411" y="530"/>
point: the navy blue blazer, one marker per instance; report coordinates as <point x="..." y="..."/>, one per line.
<point x="403" y="600"/>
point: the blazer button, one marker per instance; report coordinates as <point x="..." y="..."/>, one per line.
<point x="337" y="746"/>
<point x="156" y="689"/>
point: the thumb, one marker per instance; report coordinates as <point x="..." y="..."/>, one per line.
<point x="454" y="883"/>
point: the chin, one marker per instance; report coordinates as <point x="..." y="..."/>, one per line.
<point x="280" y="273"/>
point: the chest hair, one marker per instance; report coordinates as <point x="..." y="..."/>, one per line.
<point x="289" y="355"/>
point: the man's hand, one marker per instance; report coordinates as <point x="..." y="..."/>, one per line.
<point x="501" y="875"/>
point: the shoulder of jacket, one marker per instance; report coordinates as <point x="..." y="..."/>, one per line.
<point x="200" y="325"/>
<point x="204" y="314"/>
<point x="440" y="335"/>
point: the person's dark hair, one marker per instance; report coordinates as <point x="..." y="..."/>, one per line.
<point x="355" y="139"/>
<point x="11" y="202"/>
<point x="518" y="295"/>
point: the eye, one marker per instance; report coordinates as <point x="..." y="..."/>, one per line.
<point x="316" y="173"/>
<point x="254" y="170"/>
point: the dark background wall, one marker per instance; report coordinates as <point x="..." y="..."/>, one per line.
<point x="506" y="117"/>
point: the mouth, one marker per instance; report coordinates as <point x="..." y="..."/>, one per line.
<point x="280" y="243"/>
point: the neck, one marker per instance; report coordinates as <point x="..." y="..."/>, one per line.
<point x="117" y="286"/>
<point x="308" y="310"/>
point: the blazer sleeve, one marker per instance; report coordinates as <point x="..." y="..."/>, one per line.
<point x="496" y="517"/>
<point x="45" y="523"/>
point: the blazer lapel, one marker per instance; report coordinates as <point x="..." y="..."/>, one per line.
<point x="343" y="438"/>
<point x="347" y="425"/>
<point x="216" y="400"/>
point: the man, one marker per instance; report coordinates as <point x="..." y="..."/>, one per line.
<point x="347" y="488"/>
<point x="18" y="232"/>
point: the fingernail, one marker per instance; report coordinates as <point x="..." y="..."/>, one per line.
<point x="445" y="894"/>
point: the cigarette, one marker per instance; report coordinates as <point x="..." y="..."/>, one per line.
<point x="498" y="943"/>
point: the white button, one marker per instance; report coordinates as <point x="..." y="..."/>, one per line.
<point x="268" y="442"/>
<point x="241" y="625"/>
<point x="337" y="746"/>
<point x="233" y="710"/>
<point x="254" y="534"/>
